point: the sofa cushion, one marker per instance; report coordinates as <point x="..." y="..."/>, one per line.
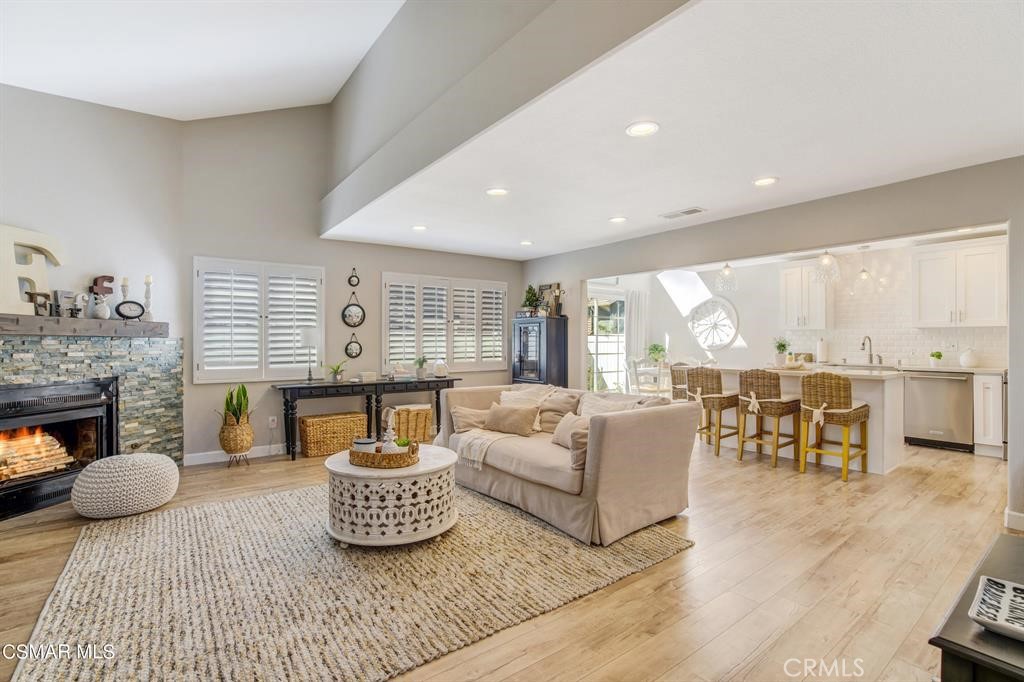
<point x="536" y="459"/>
<point x="573" y="432"/>
<point x="599" y="403"/>
<point x="556" y="405"/>
<point x="510" y="419"/>
<point x="466" y="418"/>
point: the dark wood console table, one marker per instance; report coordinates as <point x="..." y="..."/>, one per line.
<point x="373" y="391"/>
<point x="970" y="652"/>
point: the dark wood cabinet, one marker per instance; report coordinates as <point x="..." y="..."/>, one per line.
<point x="540" y="351"/>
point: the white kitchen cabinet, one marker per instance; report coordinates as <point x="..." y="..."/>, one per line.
<point x="988" y="409"/>
<point x="962" y="285"/>
<point x="805" y="302"/>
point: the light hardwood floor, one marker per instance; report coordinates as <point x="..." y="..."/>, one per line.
<point x="785" y="566"/>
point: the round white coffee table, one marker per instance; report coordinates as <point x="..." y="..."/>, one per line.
<point x="392" y="506"/>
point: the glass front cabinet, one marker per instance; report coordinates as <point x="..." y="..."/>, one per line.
<point x="540" y="350"/>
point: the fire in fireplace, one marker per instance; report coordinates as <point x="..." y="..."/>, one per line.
<point x="47" y="435"/>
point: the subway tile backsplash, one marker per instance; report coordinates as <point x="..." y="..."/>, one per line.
<point x="882" y="310"/>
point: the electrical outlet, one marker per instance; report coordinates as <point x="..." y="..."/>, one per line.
<point x="272" y="422"/>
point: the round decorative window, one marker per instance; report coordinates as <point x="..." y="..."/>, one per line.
<point x="714" y="323"/>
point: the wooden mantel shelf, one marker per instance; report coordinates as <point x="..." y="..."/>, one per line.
<point x="33" y="325"/>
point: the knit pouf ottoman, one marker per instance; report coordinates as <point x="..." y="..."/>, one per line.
<point x="122" y="485"/>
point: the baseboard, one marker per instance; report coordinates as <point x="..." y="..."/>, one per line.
<point x="214" y="456"/>
<point x="988" y="450"/>
<point x="1013" y="520"/>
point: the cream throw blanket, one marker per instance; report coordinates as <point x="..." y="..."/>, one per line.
<point x="473" y="444"/>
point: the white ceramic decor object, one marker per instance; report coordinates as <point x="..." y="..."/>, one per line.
<point x="969" y="358"/>
<point x="440" y="369"/>
<point x="32" y="271"/>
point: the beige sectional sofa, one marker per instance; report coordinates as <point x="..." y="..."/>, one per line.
<point x="636" y="470"/>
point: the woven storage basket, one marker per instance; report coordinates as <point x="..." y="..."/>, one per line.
<point x="326" y="434"/>
<point x="414" y="422"/>
<point x="236" y="438"/>
<point x="378" y="460"/>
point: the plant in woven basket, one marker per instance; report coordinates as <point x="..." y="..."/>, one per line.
<point x="236" y="435"/>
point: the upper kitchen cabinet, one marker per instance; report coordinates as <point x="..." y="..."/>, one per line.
<point x="805" y="302"/>
<point x="961" y="285"/>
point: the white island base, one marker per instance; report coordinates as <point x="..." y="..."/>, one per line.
<point x="881" y="389"/>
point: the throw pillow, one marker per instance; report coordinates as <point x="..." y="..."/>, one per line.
<point x="558" y="404"/>
<point x="563" y="432"/>
<point x="572" y="433"/>
<point x="654" y="401"/>
<point x="594" y="403"/>
<point x="531" y="396"/>
<point x="511" y="419"/>
<point x="466" y="418"/>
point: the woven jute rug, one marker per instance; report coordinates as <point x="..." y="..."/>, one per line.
<point x="255" y="589"/>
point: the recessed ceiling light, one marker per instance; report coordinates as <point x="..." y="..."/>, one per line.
<point x="496" y="192"/>
<point x="765" y="182"/>
<point x="617" y="219"/>
<point x="966" y="229"/>
<point x="642" y="128"/>
<point x="526" y="242"/>
<point x="419" y="228"/>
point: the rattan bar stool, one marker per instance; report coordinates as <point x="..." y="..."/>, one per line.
<point x="678" y="373"/>
<point x="827" y="399"/>
<point x="704" y="385"/>
<point x="761" y="396"/>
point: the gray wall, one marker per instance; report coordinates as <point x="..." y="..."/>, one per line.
<point x="397" y="124"/>
<point x="131" y="194"/>
<point x="984" y="194"/>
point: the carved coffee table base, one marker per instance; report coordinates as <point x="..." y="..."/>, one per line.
<point x="380" y="507"/>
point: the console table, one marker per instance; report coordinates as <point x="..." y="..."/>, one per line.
<point x="969" y="651"/>
<point x="373" y="391"/>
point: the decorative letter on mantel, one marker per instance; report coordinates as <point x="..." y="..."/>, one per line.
<point x="34" y="271"/>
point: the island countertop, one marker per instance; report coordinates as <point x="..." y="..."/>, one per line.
<point x="852" y="373"/>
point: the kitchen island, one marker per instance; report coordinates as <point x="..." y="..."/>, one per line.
<point x="880" y="388"/>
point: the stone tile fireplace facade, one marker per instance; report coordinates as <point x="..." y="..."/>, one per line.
<point x="149" y="372"/>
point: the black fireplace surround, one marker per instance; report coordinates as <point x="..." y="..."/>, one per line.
<point x="62" y="409"/>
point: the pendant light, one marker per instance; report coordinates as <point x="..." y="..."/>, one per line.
<point x="826" y="270"/>
<point x="725" y="280"/>
<point x="865" y="283"/>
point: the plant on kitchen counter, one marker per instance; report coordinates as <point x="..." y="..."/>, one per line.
<point x="656" y="352"/>
<point x="937" y="354"/>
<point x="781" y="344"/>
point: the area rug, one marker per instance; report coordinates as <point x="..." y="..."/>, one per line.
<point x="255" y="589"/>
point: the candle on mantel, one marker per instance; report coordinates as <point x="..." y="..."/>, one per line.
<point x="124" y="281"/>
<point x="148" y="280"/>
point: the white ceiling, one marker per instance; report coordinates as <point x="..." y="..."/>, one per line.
<point x="188" y="59"/>
<point x="830" y="97"/>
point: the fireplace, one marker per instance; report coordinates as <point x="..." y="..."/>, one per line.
<point x="48" y="433"/>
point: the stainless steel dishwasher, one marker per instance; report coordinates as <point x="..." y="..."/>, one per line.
<point x="938" y="409"/>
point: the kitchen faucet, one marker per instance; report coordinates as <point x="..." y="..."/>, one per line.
<point x="871" y="356"/>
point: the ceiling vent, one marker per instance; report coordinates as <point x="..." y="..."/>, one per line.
<point x="682" y="213"/>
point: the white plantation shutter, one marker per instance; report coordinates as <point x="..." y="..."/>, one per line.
<point x="492" y="326"/>
<point x="459" y="321"/>
<point x="434" y="320"/>
<point x="293" y="301"/>
<point x="464" y="325"/>
<point x="399" y="322"/>
<point x="228" y="341"/>
<point x="247" y="317"/>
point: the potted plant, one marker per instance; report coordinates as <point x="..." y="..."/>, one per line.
<point x="656" y="352"/>
<point x="236" y="431"/>
<point x="934" y="358"/>
<point x="781" y="344"/>
<point x="421" y="367"/>
<point x="531" y="300"/>
<point x="338" y="371"/>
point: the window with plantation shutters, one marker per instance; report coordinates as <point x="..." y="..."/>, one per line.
<point x="248" y="318"/>
<point x="462" y="322"/>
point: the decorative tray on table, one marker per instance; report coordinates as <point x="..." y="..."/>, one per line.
<point x="385" y="460"/>
<point x="999" y="606"/>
